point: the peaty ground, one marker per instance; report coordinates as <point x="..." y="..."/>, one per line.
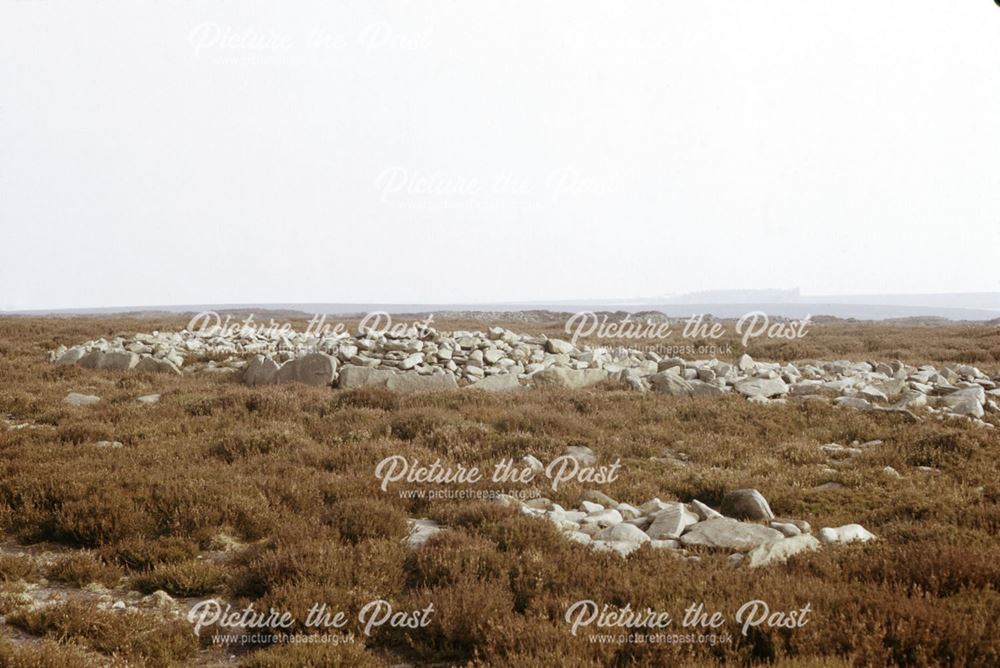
<point x="267" y="496"/>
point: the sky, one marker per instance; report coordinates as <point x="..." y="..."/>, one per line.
<point x="164" y="152"/>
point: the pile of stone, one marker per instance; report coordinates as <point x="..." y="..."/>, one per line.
<point x="423" y="358"/>
<point x="744" y="525"/>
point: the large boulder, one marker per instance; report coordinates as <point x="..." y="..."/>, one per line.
<point x="569" y="378"/>
<point x="411" y="381"/>
<point x="71" y="356"/>
<point x="967" y="401"/>
<point x="91" y="359"/>
<point x="118" y="361"/>
<point x="762" y="387"/>
<point x="352" y="375"/>
<point x="157" y="366"/>
<point x="668" y="382"/>
<point x="260" y="371"/>
<point x="730" y="534"/>
<point x="317" y="369"/>
<point x="746" y="504"/>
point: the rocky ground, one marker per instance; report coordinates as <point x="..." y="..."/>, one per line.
<point x="425" y="359"/>
<point x="127" y="494"/>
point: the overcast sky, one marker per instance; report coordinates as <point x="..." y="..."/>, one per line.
<point x="250" y="152"/>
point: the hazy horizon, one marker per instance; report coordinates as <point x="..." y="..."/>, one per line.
<point x="447" y="153"/>
<point x="725" y="304"/>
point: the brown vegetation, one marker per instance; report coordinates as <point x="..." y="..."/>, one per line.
<point x="287" y="472"/>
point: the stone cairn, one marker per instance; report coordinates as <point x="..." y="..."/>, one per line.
<point x="420" y="359"/>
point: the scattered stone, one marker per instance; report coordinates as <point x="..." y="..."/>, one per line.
<point x="149" y="399"/>
<point x="533" y="463"/>
<point x="845" y="534"/>
<point x="421" y="531"/>
<point x="77" y="399"/>
<point x="159" y="600"/>
<point x="582" y="454"/>
<point x="108" y="444"/>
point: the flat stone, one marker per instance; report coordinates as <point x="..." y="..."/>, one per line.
<point x="570" y="378"/>
<point x="665" y="544"/>
<point x="559" y="347"/>
<point x="625" y="533"/>
<point x="762" y="387"/>
<point x="149" y="399"/>
<point x="729" y="534"/>
<point x="621" y="548"/>
<point x="671" y="522"/>
<point x="779" y="551"/>
<point x="604" y="518"/>
<point x="786" y="528"/>
<point x="77" y="399"/>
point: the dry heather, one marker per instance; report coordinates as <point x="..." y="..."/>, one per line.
<point x="268" y="495"/>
